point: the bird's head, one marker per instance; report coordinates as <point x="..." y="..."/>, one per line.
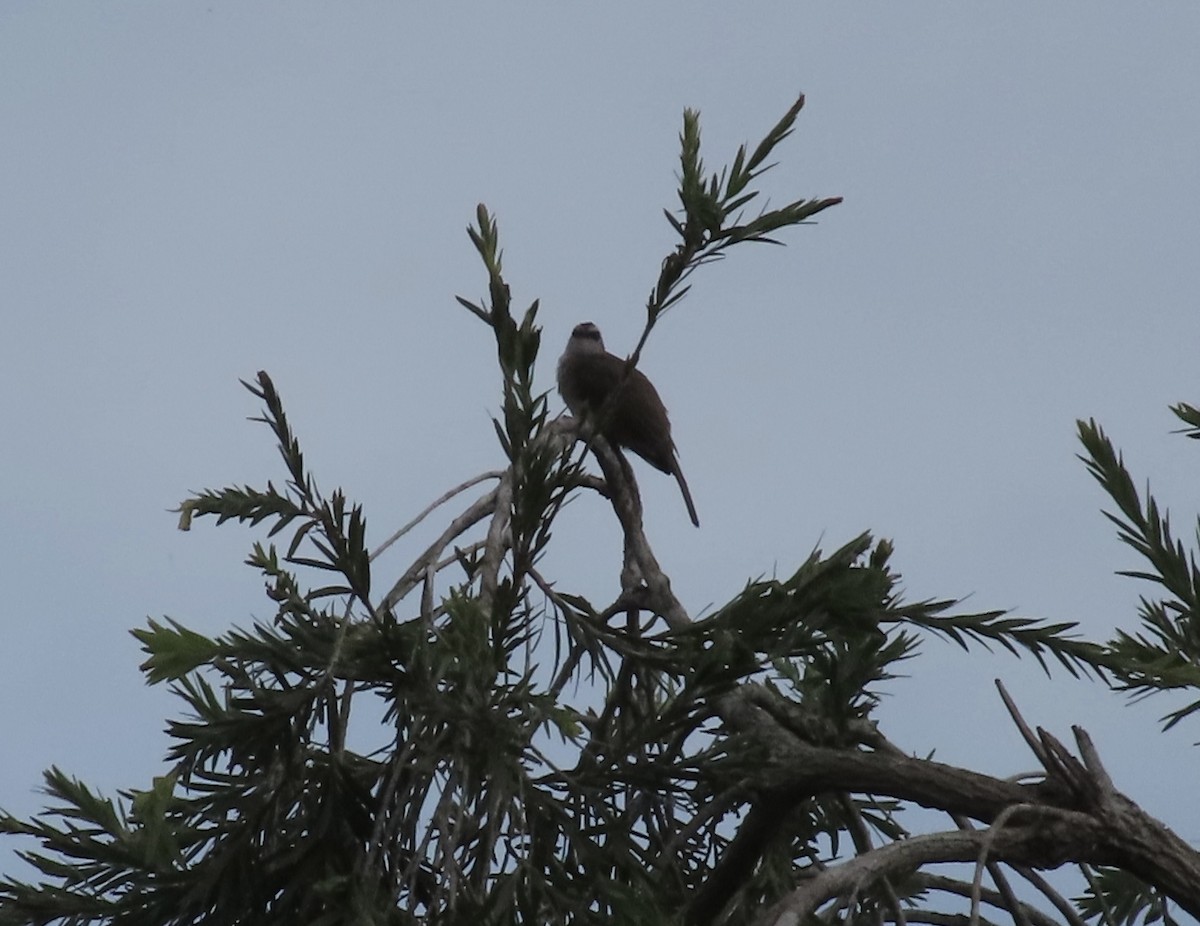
<point x="586" y="339"/>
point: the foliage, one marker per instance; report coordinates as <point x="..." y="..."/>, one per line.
<point x="477" y="744"/>
<point x="1165" y="655"/>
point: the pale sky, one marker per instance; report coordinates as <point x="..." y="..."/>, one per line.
<point x="194" y="192"/>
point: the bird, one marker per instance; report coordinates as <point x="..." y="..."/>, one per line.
<point x="636" y="418"/>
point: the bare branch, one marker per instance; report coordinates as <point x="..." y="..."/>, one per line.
<point x="441" y="500"/>
<point x="472" y="516"/>
<point x="896" y="858"/>
<point x="1027" y="734"/>
<point x="1091" y="761"/>
<point x="1021" y="911"/>
<point x="498" y="540"/>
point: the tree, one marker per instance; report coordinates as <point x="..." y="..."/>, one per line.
<point x="474" y="743"/>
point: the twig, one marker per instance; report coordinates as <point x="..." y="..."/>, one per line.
<point x="433" y="506"/>
<point x="1106" y="913"/>
<point x="1027" y="734"/>
<point x="1091" y="760"/>
<point x="985" y="849"/>
<point x="1011" y="903"/>
<point x="1019" y="910"/>
<point x="498" y="540"/>
<point x="896" y="857"/>
<point x="481" y="508"/>
<point x="861" y="835"/>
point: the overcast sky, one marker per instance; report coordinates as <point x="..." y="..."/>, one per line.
<point x="194" y="192"/>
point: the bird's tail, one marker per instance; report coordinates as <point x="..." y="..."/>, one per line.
<point x="687" y="495"/>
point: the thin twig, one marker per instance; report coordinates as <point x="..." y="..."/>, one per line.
<point x="479" y="510"/>
<point x="1091" y="761"/>
<point x="905" y="855"/>
<point x="1027" y="734"/>
<point x="433" y="506"/>
<point x="860" y="833"/>
<point x="1106" y="913"/>
<point x="1065" y="908"/>
<point x="1011" y="903"/>
<point x="1019" y="910"/>
<point x="499" y="539"/>
<point x="985" y="849"/>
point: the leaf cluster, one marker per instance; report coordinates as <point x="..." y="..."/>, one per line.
<point x="711" y="218"/>
<point x="1164" y="655"/>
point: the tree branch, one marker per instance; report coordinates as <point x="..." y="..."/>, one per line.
<point x="1020" y="844"/>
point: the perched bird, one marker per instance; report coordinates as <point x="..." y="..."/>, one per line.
<point x="636" y="418"/>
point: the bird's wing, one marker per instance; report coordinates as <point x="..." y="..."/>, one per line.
<point x="642" y="424"/>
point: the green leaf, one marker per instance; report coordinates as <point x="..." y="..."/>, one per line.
<point x="174" y="651"/>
